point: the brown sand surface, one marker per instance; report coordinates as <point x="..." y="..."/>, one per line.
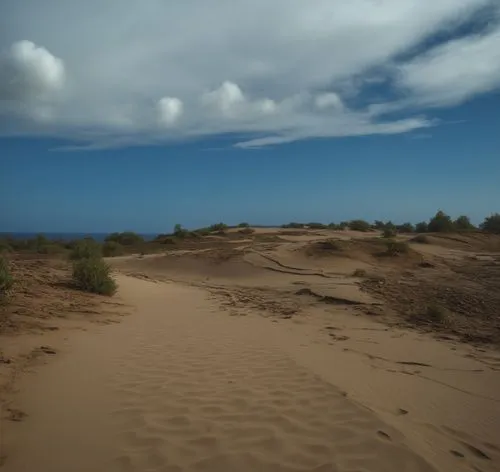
<point x="179" y="385"/>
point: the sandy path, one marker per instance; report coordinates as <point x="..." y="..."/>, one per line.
<point x="180" y="386"/>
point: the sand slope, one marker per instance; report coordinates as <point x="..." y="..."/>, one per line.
<point x="181" y="386"/>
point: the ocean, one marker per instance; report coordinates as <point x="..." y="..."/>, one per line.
<point x="69" y="236"/>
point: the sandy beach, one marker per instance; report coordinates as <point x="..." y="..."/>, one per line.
<point x="216" y="367"/>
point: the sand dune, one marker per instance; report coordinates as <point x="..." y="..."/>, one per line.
<point x="299" y="378"/>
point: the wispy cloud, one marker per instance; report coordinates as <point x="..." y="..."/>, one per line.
<point x="123" y="72"/>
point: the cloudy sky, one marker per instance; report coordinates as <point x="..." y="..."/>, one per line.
<point x="118" y="72"/>
<point x="328" y="96"/>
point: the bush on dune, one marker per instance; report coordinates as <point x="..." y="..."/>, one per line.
<point x="85" y="249"/>
<point x="6" y="279"/>
<point x="491" y="224"/>
<point x="94" y="275"/>
<point x="359" y="225"/>
<point x="112" y="249"/>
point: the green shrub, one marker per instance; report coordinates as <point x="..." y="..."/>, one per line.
<point x="316" y="225"/>
<point x="359" y="225"/>
<point x="6" y="279"/>
<point x="405" y="228"/>
<point x="421" y="238"/>
<point x="50" y="248"/>
<point x="93" y="275"/>
<point x="243" y="225"/>
<point x="112" y="249"/>
<point x="218" y="227"/>
<point x="85" y="249"/>
<point x="127" y="238"/>
<point x="395" y="248"/>
<point x="436" y="314"/>
<point x="441" y="223"/>
<point x="5" y="246"/>
<point x="389" y="233"/>
<point x="293" y="225"/>
<point x="421" y="227"/>
<point x="462" y="223"/>
<point x="491" y="224"/>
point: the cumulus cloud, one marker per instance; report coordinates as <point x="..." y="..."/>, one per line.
<point x="170" y="109"/>
<point x="30" y="72"/>
<point x="123" y="71"/>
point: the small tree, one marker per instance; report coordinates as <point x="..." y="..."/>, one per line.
<point x="441" y="223"/>
<point x="380" y="225"/>
<point x="179" y="231"/>
<point x="421" y="227"/>
<point x="243" y="225"/>
<point x="491" y="224"/>
<point x="112" y="249"/>
<point x="359" y="225"/>
<point x="405" y="228"/>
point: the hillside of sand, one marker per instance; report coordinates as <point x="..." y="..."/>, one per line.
<point x="275" y="351"/>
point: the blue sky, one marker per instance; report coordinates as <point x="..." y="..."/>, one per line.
<point x="390" y="113"/>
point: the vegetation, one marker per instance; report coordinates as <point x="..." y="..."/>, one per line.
<point x="94" y="275"/>
<point x="405" y="228"/>
<point x="127" y="238"/>
<point x="85" y="249"/>
<point x="421" y="238"/>
<point x="6" y="279"/>
<point x="359" y="273"/>
<point x="246" y="231"/>
<point x="436" y="314"/>
<point x="316" y="225"/>
<point x="441" y="223"/>
<point x="491" y="224"/>
<point x="389" y="233"/>
<point x="462" y="223"/>
<point x="243" y="225"/>
<point x="112" y="249"/>
<point x="293" y="225"/>
<point x="359" y="225"/>
<point x="395" y="248"/>
<point x="421" y="227"/>
<point x="218" y="227"/>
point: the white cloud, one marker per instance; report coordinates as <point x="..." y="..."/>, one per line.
<point x="124" y="71"/>
<point x="170" y="109"/>
<point x="329" y="100"/>
<point x="453" y="72"/>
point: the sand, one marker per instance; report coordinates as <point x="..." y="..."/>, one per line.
<point x="181" y="386"/>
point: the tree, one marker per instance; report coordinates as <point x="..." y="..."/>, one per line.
<point x="359" y="225"/>
<point x="405" y="228"/>
<point x="441" y="223"/>
<point x="462" y="223"/>
<point x="491" y="224"/>
<point x="421" y="227"/>
<point x="379" y="225"/>
<point x="127" y="238"/>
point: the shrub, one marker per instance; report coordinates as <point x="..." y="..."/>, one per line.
<point x="293" y="225"/>
<point x="389" y="233"/>
<point x="421" y="238"/>
<point x="441" y="223"/>
<point x="405" y="228"/>
<point x="93" y="275"/>
<point x="112" y="249"/>
<point x="359" y="225"/>
<point x="330" y="245"/>
<point x="316" y="225"/>
<point x="50" y="248"/>
<point x="127" y="238"/>
<point x="462" y="223"/>
<point x="218" y="227"/>
<point x="491" y="224"/>
<point x="422" y="227"/>
<point x="5" y="246"/>
<point x="395" y="248"/>
<point x="359" y="273"/>
<point x="246" y="231"/>
<point x="85" y="249"/>
<point x="6" y="280"/>
<point x="179" y="231"/>
<point x="436" y="314"/>
<point x="380" y="225"/>
<point x="243" y="225"/>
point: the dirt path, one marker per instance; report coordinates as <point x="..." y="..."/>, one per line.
<point x="180" y="386"/>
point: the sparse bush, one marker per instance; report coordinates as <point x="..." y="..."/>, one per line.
<point x="405" y="228"/>
<point x="441" y="223"/>
<point x="127" y="238"/>
<point x="330" y="245"/>
<point x="243" y="225"/>
<point x="5" y="246"/>
<point x="395" y="248"/>
<point x="421" y="227"/>
<point x="436" y="314"/>
<point x="359" y="273"/>
<point x="218" y="227"/>
<point x="112" y="249"/>
<point x="6" y="279"/>
<point x="421" y="238"/>
<point x="85" y="249"/>
<point x="246" y="230"/>
<point x="168" y="240"/>
<point x="380" y="225"/>
<point x="491" y="224"/>
<point x="50" y="248"/>
<point x="293" y="225"/>
<point x="389" y="233"/>
<point x="462" y="223"/>
<point x="359" y="225"/>
<point x="180" y="232"/>
<point x="94" y="275"/>
<point x="316" y="225"/>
